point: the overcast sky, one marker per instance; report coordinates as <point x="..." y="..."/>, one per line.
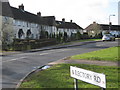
<point x="83" y="12"/>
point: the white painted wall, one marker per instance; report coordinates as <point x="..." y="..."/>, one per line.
<point x="113" y="32"/>
<point x="25" y="26"/>
<point x="69" y="31"/>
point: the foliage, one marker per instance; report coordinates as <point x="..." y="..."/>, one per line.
<point x="7" y="31"/>
<point x="58" y="76"/>
<point x="103" y="54"/>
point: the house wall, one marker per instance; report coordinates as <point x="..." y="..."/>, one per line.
<point x="115" y="33"/>
<point x="49" y="29"/>
<point x="69" y="31"/>
<point x="25" y="26"/>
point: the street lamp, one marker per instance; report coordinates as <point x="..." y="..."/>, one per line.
<point x="110" y="22"/>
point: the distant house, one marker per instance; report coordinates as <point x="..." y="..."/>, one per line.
<point x="68" y="27"/>
<point x="95" y="29"/>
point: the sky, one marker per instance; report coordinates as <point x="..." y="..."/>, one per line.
<point x="82" y="12"/>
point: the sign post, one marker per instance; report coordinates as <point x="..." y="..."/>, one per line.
<point x="88" y="76"/>
<point x="76" y="84"/>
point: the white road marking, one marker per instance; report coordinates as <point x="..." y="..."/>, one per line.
<point x="44" y="53"/>
<point x="14" y="59"/>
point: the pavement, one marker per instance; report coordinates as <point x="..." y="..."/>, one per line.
<point x="49" y="47"/>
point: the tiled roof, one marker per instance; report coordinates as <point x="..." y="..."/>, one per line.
<point x="113" y="27"/>
<point x="103" y="27"/>
<point x="67" y="25"/>
<point x="26" y="16"/>
<point x="50" y="20"/>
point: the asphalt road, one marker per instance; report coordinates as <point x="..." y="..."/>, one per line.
<point x="15" y="67"/>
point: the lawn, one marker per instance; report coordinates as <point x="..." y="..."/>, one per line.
<point x="58" y="76"/>
<point x="109" y="54"/>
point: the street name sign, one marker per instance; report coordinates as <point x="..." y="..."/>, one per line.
<point x="88" y="76"/>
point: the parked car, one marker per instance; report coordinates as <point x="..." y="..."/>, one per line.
<point x="108" y="37"/>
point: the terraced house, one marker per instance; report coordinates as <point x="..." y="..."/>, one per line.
<point x="20" y="24"/>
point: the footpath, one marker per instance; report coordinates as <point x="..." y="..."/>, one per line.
<point x="71" y="44"/>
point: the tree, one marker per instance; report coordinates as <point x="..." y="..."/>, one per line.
<point x="6" y="32"/>
<point x="78" y="35"/>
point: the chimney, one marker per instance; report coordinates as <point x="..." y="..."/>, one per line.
<point x="110" y="23"/>
<point x="21" y="7"/>
<point x="71" y="21"/>
<point x="94" y="22"/>
<point x="39" y="14"/>
<point x="63" y="20"/>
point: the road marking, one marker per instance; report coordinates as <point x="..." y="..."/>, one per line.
<point x="14" y="59"/>
<point x="44" y="53"/>
<point x="100" y="45"/>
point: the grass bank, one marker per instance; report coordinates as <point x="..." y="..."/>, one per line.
<point x="109" y="54"/>
<point x="58" y="76"/>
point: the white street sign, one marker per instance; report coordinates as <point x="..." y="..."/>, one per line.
<point x="88" y="76"/>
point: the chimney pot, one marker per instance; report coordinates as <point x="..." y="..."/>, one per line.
<point x="71" y="21"/>
<point x="39" y="14"/>
<point x="21" y="7"/>
<point x="110" y="23"/>
<point x="94" y="22"/>
<point x="63" y="20"/>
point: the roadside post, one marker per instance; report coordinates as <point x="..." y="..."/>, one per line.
<point x="75" y="84"/>
<point x="91" y="77"/>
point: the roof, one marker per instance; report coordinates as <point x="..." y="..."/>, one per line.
<point x="50" y="20"/>
<point x="27" y="16"/>
<point x="67" y="25"/>
<point x="103" y="27"/>
<point x="19" y="14"/>
<point x="113" y="27"/>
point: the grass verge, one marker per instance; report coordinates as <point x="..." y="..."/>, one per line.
<point x="58" y="76"/>
<point x="109" y="54"/>
<point x="84" y="40"/>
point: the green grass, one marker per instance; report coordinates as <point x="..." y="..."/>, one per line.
<point x="58" y="76"/>
<point x="109" y="54"/>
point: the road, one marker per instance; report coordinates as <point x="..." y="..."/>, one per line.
<point x="15" y="67"/>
